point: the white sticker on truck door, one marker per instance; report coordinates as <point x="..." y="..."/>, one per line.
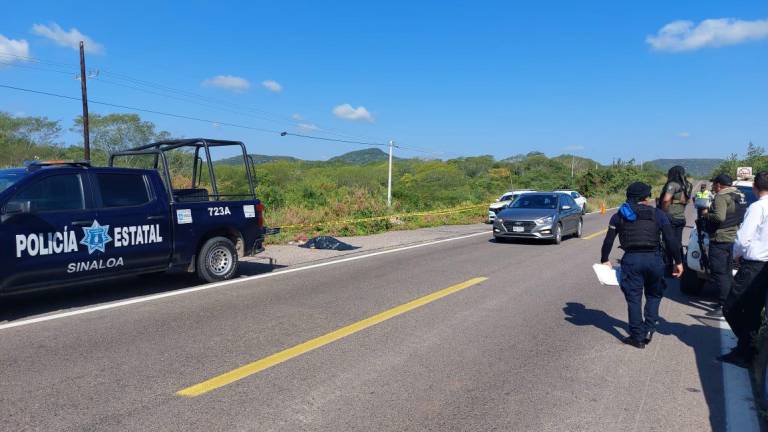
<point x="249" y="210"/>
<point x="184" y="216"/>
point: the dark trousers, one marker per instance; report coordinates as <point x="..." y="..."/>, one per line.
<point x="745" y="303"/>
<point x="678" y="225"/>
<point x="677" y="229"/>
<point x="721" y="268"/>
<point x="642" y="272"/>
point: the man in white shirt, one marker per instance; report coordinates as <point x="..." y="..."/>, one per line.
<point x="747" y="296"/>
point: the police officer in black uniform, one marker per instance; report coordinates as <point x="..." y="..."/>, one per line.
<point x="641" y="228"/>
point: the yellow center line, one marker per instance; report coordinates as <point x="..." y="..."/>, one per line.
<point x="593" y="235"/>
<point x="302" y="348"/>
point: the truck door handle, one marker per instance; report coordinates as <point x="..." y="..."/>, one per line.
<point x="82" y="222"/>
<point x="155" y="217"/>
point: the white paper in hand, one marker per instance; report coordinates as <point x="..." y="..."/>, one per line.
<point x="607" y="275"/>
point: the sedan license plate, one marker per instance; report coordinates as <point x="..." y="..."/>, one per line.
<point x="518" y="229"/>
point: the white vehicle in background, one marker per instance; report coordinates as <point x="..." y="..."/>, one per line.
<point x="503" y="201"/>
<point x="580" y="199"/>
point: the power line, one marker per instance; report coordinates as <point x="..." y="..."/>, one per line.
<point x="204" y="104"/>
<point x="191" y="97"/>
<point x="37" y="60"/>
<point x="180" y="116"/>
<point x="273" y="117"/>
<point x="201" y="100"/>
<point x="185" y="117"/>
<point x="333" y="139"/>
<point x="11" y="63"/>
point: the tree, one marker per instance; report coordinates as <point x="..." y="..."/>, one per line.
<point x="25" y="138"/>
<point x="754" y="151"/>
<point x="755" y="157"/>
<point x="116" y="132"/>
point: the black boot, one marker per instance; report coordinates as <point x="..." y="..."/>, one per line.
<point x="629" y="340"/>
<point x="649" y="338"/>
<point x="736" y="358"/>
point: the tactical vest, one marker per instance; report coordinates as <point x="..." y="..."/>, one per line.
<point x="641" y="235"/>
<point x="677" y="198"/>
<point x="732" y="218"/>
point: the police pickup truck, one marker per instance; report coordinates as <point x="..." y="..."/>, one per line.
<point x="66" y="222"/>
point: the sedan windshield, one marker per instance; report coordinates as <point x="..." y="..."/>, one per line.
<point x="8" y="177"/>
<point x="536" y="202"/>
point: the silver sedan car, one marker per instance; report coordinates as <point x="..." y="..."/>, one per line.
<point x="546" y="216"/>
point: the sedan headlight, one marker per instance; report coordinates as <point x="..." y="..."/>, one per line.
<point x="499" y="220"/>
<point x="545" y="220"/>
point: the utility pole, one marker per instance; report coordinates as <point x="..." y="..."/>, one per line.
<point x="389" y="179"/>
<point x="573" y="161"/>
<point x="84" y="90"/>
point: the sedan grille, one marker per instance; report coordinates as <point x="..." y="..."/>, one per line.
<point x="527" y="225"/>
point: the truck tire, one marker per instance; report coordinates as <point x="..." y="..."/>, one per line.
<point x="691" y="283"/>
<point x="217" y="260"/>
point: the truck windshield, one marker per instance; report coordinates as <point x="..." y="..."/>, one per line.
<point x="8" y="177"/>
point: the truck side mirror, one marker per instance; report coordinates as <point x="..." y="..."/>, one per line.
<point x="17" y="207"/>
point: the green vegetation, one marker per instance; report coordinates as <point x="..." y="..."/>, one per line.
<point x="699" y="168"/>
<point x="306" y="193"/>
<point x="258" y="159"/>
<point x="755" y="157"/>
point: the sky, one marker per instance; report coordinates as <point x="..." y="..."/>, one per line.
<point x="602" y="79"/>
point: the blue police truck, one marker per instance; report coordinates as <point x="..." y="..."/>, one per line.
<point x="67" y="222"/>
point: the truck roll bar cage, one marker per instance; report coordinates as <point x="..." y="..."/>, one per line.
<point x="158" y="149"/>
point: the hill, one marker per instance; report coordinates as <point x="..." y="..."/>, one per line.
<point x="695" y="167"/>
<point x="360" y="157"/>
<point x="257" y="159"/>
<point x="579" y="162"/>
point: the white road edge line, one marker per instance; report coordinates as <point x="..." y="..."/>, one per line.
<point x="740" y="414"/>
<point x="225" y="283"/>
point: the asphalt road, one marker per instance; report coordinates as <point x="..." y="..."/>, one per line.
<point x="534" y="347"/>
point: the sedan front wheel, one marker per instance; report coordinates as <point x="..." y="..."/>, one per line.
<point x="558" y="234"/>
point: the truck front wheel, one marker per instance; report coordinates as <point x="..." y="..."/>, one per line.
<point x="217" y="260"/>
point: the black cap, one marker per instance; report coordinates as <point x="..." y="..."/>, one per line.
<point x="638" y="191"/>
<point x="723" y="179"/>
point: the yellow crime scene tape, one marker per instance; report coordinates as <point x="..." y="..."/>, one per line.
<point x="375" y="218"/>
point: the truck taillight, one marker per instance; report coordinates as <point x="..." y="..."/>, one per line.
<point x="260" y="213"/>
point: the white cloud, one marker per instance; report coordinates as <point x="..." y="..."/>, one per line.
<point x="685" y="36"/>
<point x="272" y="86"/>
<point x="683" y="134"/>
<point x="297" y="117"/>
<point x="69" y="38"/>
<point x="308" y="127"/>
<point x="228" y="82"/>
<point x="11" y="50"/>
<point x="347" y="112"/>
